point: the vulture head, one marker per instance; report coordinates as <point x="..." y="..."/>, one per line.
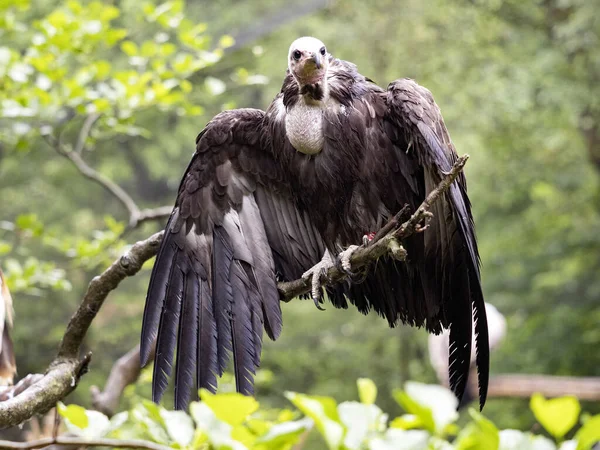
<point x="308" y="61"/>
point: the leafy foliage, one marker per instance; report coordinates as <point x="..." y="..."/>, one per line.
<point x="235" y="422"/>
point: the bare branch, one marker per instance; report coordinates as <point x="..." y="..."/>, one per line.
<point x="112" y="187"/>
<point x="123" y="373"/>
<point x="81" y="442"/>
<point x="146" y="215"/>
<point x="127" y="265"/>
<point x="60" y="379"/>
<point x="86" y="128"/>
<point x="65" y="370"/>
<point x="136" y="217"/>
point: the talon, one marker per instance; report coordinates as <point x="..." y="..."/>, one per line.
<point x="344" y="260"/>
<point x="317" y="273"/>
<point x="368" y="238"/>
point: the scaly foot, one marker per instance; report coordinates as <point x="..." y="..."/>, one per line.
<point x="317" y="273"/>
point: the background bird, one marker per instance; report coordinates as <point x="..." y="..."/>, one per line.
<point x="268" y="195"/>
<point x="8" y="366"/>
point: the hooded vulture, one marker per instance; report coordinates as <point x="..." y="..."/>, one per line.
<point x="267" y="195"/>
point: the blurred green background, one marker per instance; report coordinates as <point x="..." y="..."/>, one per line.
<point x="518" y="84"/>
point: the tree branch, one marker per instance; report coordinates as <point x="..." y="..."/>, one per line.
<point x="127" y="265"/>
<point x="136" y="217"/>
<point x="124" y="372"/>
<point x="65" y="370"/>
<point x="81" y="442"/>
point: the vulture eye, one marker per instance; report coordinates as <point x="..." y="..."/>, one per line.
<point x="297" y="54"/>
<point x="323" y="51"/>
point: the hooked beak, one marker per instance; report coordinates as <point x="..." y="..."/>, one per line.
<point x="317" y="59"/>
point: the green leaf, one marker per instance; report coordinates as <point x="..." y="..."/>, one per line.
<point x="367" y="391"/>
<point x="324" y="413"/>
<point x="360" y="419"/>
<point x="84" y="423"/>
<point x="286" y="433"/>
<point x="423" y="413"/>
<point x="5" y="248"/>
<point x="589" y="433"/>
<point x="217" y="431"/>
<point x="558" y="415"/>
<point x="481" y="434"/>
<point x="129" y="48"/>
<point x="407" y="422"/>
<point x="179" y="425"/>
<point x="74" y="414"/>
<point x="226" y="41"/>
<point x="232" y="408"/>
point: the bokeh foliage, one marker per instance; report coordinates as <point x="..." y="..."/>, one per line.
<point x="235" y="422"/>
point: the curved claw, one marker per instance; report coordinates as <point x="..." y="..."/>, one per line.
<point x="344" y="260"/>
<point x="318" y="304"/>
<point x="316" y="274"/>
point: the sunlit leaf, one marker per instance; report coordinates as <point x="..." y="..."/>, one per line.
<point x="557" y="415"/>
<point x="589" y="433"/>
<point x="232" y="408"/>
<point x="323" y="411"/>
<point x="367" y="391"/>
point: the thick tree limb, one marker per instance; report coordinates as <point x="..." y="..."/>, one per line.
<point x="127" y="265"/>
<point x="65" y="370"/>
<point x="82" y="443"/>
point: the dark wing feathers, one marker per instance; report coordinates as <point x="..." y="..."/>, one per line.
<point x="239" y="224"/>
<point x="213" y="286"/>
<point x="450" y="243"/>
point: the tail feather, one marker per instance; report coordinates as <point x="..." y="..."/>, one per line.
<point x="156" y="292"/>
<point x="207" y="337"/>
<point x="167" y="328"/>
<point x="477" y="306"/>
<point x="223" y="295"/>
<point x="186" y="342"/>
<point x="242" y="334"/>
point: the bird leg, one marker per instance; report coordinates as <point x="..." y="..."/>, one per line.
<point x="317" y="273"/>
<point x="426" y="220"/>
<point x="345" y="256"/>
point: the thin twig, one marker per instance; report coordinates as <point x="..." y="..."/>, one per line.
<point x="82" y="442"/>
<point x="136" y="216"/>
<point x="85" y="131"/>
<point x="146" y="215"/>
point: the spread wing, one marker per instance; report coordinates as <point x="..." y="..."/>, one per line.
<point x="450" y="263"/>
<point x="213" y="286"/>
